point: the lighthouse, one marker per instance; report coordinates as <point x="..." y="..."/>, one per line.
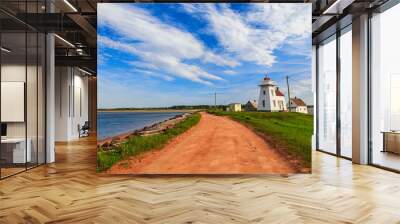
<point x="270" y="98"/>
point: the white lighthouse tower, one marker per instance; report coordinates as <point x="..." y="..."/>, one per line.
<point x="270" y="99"/>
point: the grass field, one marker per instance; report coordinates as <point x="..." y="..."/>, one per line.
<point x="140" y="144"/>
<point x="293" y="131"/>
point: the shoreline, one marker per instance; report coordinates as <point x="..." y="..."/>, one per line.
<point x="148" y="110"/>
<point x="147" y="130"/>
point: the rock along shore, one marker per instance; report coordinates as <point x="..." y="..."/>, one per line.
<point x="146" y="131"/>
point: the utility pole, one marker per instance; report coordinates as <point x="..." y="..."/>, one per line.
<point x="288" y="90"/>
<point x="215" y="99"/>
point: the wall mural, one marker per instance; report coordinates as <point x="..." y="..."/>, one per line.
<point x="204" y="88"/>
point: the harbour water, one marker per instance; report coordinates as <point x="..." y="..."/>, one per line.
<point x="111" y="124"/>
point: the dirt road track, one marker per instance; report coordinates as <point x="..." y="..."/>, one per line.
<point x="216" y="145"/>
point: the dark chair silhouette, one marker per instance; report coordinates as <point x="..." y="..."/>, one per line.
<point x="84" y="130"/>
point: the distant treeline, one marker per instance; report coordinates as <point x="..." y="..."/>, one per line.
<point x="196" y="107"/>
<point x="177" y="107"/>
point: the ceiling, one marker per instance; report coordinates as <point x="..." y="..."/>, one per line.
<point x="75" y="22"/>
<point x="330" y="15"/>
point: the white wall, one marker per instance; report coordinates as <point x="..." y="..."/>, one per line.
<point x="14" y="72"/>
<point x="266" y="98"/>
<point x="280" y="99"/>
<point x="71" y="103"/>
<point x="62" y="82"/>
<point x="17" y="73"/>
<point x="33" y="126"/>
<point x="80" y="110"/>
<point x="13" y="101"/>
<point x="269" y="97"/>
<point x="301" y="109"/>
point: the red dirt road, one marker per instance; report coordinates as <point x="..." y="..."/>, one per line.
<point x="216" y="145"/>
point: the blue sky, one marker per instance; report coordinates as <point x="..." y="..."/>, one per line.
<point x="156" y="55"/>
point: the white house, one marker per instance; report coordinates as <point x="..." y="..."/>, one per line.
<point x="298" y="105"/>
<point x="235" y="107"/>
<point x="270" y="99"/>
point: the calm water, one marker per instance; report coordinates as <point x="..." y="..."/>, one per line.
<point x="115" y="123"/>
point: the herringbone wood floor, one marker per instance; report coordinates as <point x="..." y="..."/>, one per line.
<point x="70" y="191"/>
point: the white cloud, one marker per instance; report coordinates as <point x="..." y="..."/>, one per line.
<point x="109" y="43"/>
<point x="154" y="74"/>
<point x="163" y="62"/>
<point x="298" y="47"/>
<point x="289" y="19"/>
<point x="253" y="36"/>
<point x="143" y="65"/>
<point x="239" y="38"/>
<point x="219" y="60"/>
<point x="300" y="87"/>
<point x="138" y="25"/>
<point x="159" y="45"/>
<point x="230" y="72"/>
<point x="303" y="89"/>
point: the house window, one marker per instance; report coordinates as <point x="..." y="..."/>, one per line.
<point x="263" y="102"/>
<point x="264" y="92"/>
<point x="274" y="103"/>
<point x="272" y="92"/>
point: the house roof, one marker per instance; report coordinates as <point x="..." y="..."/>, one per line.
<point x="278" y="93"/>
<point x="298" y="101"/>
<point x="252" y="103"/>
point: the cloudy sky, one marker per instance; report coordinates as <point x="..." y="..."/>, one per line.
<point x="156" y="55"/>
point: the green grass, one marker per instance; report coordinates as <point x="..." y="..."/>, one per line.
<point x="140" y="144"/>
<point x="293" y="131"/>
